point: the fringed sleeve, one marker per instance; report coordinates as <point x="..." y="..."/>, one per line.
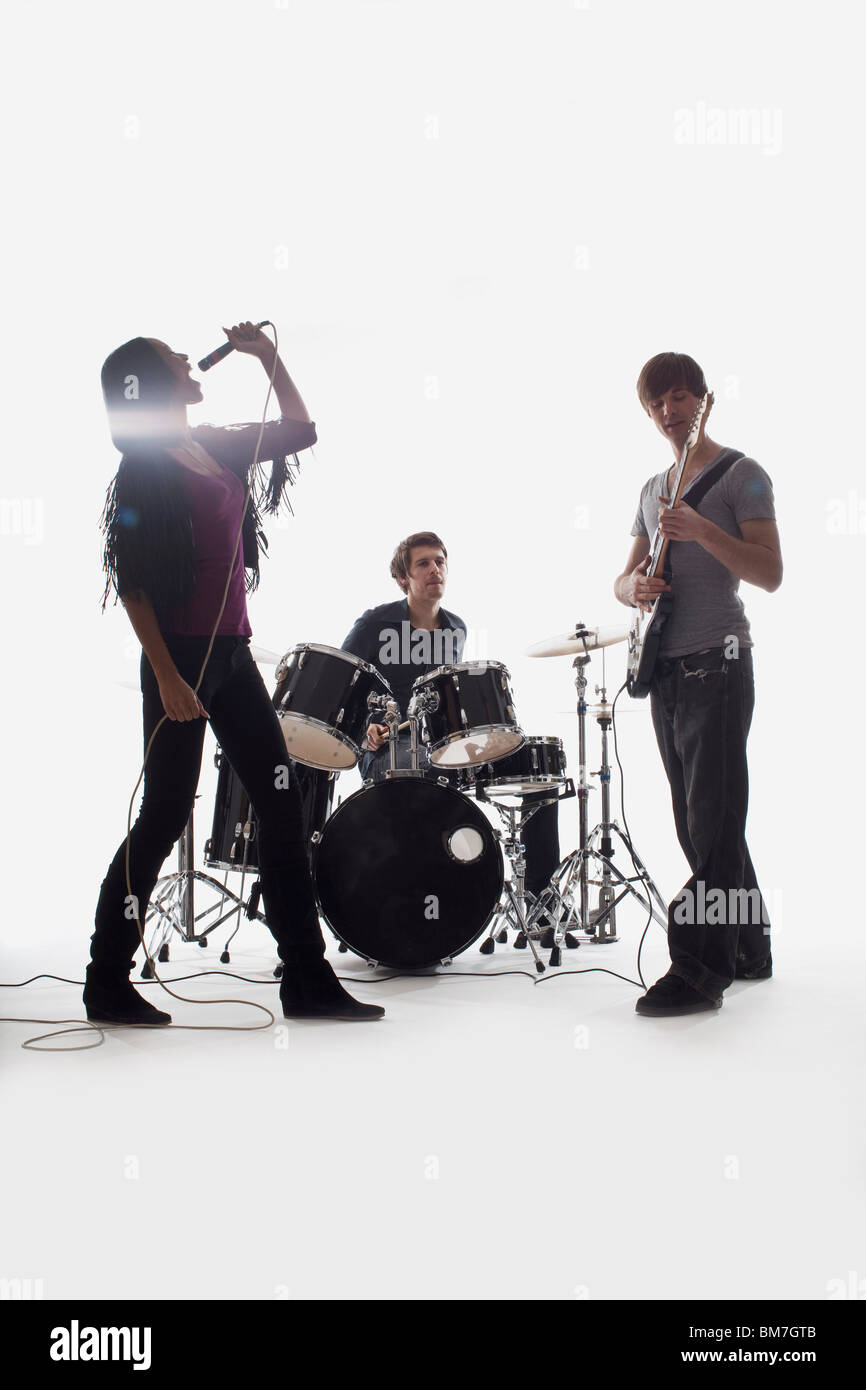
<point x="234" y="446"/>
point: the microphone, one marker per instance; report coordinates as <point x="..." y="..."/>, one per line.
<point x="219" y="353"/>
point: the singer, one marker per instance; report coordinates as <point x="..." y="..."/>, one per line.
<point x="171" y="522"/>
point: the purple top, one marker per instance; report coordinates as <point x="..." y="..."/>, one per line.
<point x="216" y="506"/>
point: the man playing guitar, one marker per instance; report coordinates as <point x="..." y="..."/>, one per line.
<point x="702" y="688"/>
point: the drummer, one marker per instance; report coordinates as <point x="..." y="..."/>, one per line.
<point x="411" y="637"/>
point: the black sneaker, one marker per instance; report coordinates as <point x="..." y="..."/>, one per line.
<point x="762" y="971"/>
<point x="671" y="996"/>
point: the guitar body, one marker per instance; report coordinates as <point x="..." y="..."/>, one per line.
<point x="645" y="637"/>
<point x="644" y="642"/>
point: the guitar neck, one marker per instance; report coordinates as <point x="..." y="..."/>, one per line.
<point x="690" y="448"/>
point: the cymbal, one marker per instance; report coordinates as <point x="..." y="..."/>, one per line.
<point x="264" y="656"/>
<point x="593" y="711"/>
<point x="570" y="644"/>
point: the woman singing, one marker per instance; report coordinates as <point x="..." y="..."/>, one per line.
<point x="171" y="522"/>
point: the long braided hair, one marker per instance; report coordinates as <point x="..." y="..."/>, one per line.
<point x="148" y="536"/>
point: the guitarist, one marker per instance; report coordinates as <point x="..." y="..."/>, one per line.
<point x="702" y="689"/>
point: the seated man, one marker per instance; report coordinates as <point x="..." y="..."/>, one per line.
<point x="411" y="637"/>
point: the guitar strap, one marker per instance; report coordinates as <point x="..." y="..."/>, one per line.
<point x="696" y="494"/>
<point x="693" y="496"/>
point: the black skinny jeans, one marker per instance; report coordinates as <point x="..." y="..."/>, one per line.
<point x="702" y="708"/>
<point x="246" y="725"/>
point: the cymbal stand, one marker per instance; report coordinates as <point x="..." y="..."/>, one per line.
<point x="557" y="901"/>
<point x="173" y="902"/>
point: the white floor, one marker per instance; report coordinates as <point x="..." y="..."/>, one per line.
<point x="490" y="1138"/>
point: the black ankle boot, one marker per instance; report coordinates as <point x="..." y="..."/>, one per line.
<point x="109" y="998"/>
<point x="312" y="990"/>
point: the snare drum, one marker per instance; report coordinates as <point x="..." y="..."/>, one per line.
<point x="321" y="701"/>
<point x="467" y="714"/>
<point x="538" y="765"/>
<point x="408" y="873"/>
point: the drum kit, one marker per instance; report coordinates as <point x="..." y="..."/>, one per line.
<point x="410" y="870"/>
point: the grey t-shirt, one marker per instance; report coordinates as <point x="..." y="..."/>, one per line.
<point x="707" y="608"/>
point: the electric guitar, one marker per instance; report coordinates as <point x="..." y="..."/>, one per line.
<point x="644" y="638"/>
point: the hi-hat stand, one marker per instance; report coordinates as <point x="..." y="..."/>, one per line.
<point x="173" y="901"/>
<point x="517" y="906"/>
<point x="564" y="905"/>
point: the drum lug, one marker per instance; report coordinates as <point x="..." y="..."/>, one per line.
<point x="442" y="782"/>
<point x="301" y="659"/>
<point x="355" y="676"/>
<point x="339" y="718"/>
<point x="447" y="960"/>
<point x="315" y="837"/>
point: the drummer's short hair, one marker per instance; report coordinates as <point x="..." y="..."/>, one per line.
<point x="402" y="557"/>
<point x="665" y="372"/>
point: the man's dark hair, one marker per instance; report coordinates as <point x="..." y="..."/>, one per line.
<point x="402" y="557"/>
<point x="665" y="372"/>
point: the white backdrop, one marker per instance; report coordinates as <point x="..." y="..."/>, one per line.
<point x="472" y="223"/>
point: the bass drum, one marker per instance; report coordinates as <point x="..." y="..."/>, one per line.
<point x="408" y="873"/>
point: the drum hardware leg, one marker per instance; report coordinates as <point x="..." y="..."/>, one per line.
<point x="595" y="851"/>
<point x="342" y="947"/>
<point x="488" y="946"/>
<point x="518" y="906"/>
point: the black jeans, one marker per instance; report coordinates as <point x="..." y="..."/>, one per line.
<point x="246" y="725"/>
<point x="702" y="708"/>
<point x="540" y="834"/>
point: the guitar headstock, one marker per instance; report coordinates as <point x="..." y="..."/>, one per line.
<point x="698" y="422"/>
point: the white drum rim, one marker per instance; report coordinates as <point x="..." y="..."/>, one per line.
<point x="509" y="788"/>
<point x="348" y="657"/>
<point x="462" y="666"/>
<point x="320" y="725"/>
<point x="476" y="731"/>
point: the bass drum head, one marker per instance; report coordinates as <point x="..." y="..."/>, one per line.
<point x="408" y="873"/>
